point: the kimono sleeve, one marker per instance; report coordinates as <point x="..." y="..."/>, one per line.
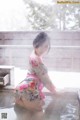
<point x="38" y="67"/>
<point x="41" y="71"/>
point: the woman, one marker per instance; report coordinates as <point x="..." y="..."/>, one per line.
<point x="29" y="92"/>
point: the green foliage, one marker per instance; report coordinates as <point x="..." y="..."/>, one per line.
<point x="53" y="17"/>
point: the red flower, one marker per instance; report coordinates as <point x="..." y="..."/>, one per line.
<point x="33" y="62"/>
<point x="32" y="84"/>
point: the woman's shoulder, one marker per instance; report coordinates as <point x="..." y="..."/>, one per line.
<point x="34" y="59"/>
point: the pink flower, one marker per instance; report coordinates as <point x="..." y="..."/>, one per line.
<point x="23" y="86"/>
<point x="40" y="86"/>
<point x="42" y="95"/>
<point x="34" y="62"/>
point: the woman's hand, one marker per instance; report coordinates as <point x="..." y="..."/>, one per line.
<point x="52" y="89"/>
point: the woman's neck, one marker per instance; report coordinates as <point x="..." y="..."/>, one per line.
<point x="36" y="53"/>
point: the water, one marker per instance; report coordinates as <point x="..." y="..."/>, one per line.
<point x="70" y="113"/>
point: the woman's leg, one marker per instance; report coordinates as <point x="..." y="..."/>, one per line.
<point x="19" y="102"/>
<point x="22" y="98"/>
<point x="31" y="105"/>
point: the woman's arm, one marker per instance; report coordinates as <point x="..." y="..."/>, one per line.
<point x="42" y="73"/>
<point x="48" y="83"/>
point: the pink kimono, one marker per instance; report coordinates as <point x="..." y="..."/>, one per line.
<point x="31" y="87"/>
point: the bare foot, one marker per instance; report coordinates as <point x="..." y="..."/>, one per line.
<point x="30" y="105"/>
<point x="19" y="102"/>
<point x="33" y="105"/>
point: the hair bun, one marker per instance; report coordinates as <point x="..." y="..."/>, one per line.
<point x="40" y="39"/>
<point x="42" y="34"/>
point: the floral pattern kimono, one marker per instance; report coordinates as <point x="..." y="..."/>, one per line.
<point x="31" y="87"/>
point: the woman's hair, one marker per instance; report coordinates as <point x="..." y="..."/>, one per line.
<point x="40" y="39"/>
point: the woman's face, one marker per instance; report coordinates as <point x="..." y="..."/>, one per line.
<point x="43" y="49"/>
